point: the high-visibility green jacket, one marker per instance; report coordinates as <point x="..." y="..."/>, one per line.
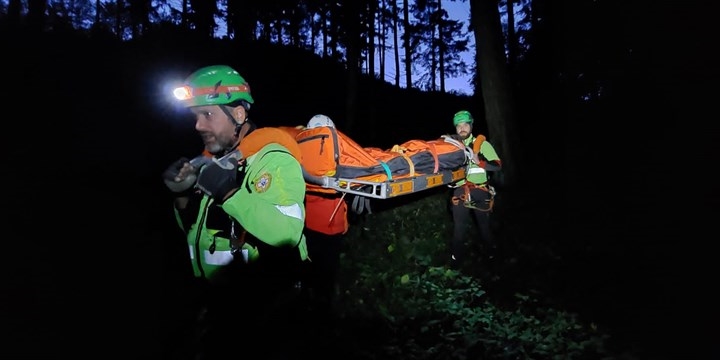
<point x="268" y="205"/>
<point x="475" y="173"/>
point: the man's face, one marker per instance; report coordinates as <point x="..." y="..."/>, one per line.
<point x="464" y="130"/>
<point x="215" y="128"/>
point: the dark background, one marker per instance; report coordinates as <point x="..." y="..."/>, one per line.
<point x="88" y="223"/>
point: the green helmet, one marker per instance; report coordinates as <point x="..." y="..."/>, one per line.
<point x="213" y="85"/>
<point x="462" y="116"/>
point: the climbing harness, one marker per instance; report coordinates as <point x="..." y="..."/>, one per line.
<point x="469" y="203"/>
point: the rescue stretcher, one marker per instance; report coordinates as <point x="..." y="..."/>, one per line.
<point x="411" y="167"/>
<point x="332" y="162"/>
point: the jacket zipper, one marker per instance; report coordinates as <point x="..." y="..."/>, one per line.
<point x="322" y="138"/>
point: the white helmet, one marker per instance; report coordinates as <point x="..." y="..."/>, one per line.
<point x="320" y="120"/>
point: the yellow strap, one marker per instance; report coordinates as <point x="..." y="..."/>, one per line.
<point x="398" y="149"/>
<point x="412" y="166"/>
<point x="401" y="150"/>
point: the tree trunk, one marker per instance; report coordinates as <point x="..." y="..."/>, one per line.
<point x="97" y="12"/>
<point x="36" y="15"/>
<point x="381" y="40"/>
<point x="119" y="9"/>
<point x="14" y="12"/>
<point x="408" y="51"/>
<point x="396" y="46"/>
<point x="324" y="18"/>
<point x="370" y="26"/>
<point x="351" y="11"/>
<point x="185" y="22"/>
<point x="494" y="83"/>
<point x="512" y="45"/>
<point x="441" y="48"/>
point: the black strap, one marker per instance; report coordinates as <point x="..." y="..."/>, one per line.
<point x="360" y="203"/>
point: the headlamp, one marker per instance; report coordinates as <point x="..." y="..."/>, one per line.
<point x="187" y="93"/>
<point x="183" y="93"/>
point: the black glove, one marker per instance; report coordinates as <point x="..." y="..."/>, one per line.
<point x="173" y="171"/>
<point x="217" y="181"/>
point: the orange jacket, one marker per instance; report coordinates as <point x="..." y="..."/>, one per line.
<point x="325" y="213"/>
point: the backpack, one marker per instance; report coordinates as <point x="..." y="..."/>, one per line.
<point x="326" y="213"/>
<point x="478" y="143"/>
<point x="260" y="137"/>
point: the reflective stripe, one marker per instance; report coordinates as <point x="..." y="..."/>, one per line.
<point x="192" y="252"/>
<point x="293" y="210"/>
<point x="218" y="257"/>
<point x="475" y="170"/>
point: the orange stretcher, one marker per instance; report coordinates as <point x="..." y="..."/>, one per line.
<point x="333" y="162"/>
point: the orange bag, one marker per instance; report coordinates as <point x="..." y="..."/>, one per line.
<point x="329" y="152"/>
<point x="326" y="214"/>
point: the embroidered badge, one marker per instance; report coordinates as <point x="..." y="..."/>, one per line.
<point x="263" y="182"/>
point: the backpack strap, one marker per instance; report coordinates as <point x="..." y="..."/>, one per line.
<point x="360" y="203"/>
<point x="479" y="140"/>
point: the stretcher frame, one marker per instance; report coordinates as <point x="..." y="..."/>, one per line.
<point x="395" y="187"/>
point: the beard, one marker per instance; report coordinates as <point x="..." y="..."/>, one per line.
<point x="464" y="134"/>
<point x="217" y="145"/>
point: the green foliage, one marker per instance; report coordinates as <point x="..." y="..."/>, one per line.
<point x="393" y="276"/>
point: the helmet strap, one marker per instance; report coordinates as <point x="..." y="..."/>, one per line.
<point x="230" y="116"/>
<point x="242" y="130"/>
<point x="233" y="120"/>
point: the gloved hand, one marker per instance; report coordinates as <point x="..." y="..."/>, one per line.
<point x="180" y="176"/>
<point x="220" y="177"/>
<point x="481" y="163"/>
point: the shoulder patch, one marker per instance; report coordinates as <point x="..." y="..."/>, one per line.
<point x="262" y="183"/>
